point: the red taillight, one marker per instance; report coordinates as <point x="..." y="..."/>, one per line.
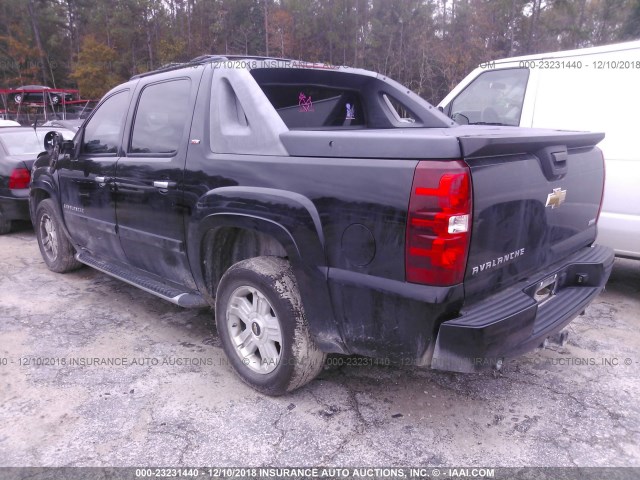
<point x="439" y="223"/>
<point x="20" y="178"/>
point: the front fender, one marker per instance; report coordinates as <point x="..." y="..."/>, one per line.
<point x="43" y="181"/>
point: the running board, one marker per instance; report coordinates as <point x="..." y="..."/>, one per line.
<point x="144" y="282"/>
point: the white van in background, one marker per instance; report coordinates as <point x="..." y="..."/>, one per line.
<point x="596" y="89"/>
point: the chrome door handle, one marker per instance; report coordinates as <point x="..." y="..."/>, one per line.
<point x="164" y="184"/>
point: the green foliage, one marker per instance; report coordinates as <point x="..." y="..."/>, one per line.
<point x="171" y="50"/>
<point x="94" y="69"/>
<point x="429" y="45"/>
<point x="20" y="62"/>
<point x="631" y="28"/>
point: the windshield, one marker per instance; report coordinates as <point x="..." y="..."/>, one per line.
<point x="494" y="97"/>
<point x="26" y="142"/>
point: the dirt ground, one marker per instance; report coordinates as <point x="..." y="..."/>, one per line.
<point x="172" y="399"/>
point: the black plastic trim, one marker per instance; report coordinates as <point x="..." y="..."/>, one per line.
<point x="178" y="296"/>
<point x="512" y="323"/>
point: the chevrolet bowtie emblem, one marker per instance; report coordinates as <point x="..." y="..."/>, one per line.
<point x="556" y="198"/>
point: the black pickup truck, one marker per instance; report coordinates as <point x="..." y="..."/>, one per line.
<point x="327" y="210"/>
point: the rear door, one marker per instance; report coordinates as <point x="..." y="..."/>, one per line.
<point x="149" y="203"/>
<point x="87" y="181"/>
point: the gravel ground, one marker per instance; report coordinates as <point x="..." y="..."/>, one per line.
<point x="177" y="402"/>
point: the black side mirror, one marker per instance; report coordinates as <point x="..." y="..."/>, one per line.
<point x="55" y="139"/>
<point x="55" y="144"/>
<point x="67" y="147"/>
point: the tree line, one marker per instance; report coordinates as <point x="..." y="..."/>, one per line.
<point x="428" y="45"/>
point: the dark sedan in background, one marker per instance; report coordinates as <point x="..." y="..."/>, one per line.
<point x="19" y="148"/>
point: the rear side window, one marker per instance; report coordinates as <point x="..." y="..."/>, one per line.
<point x="102" y="133"/>
<point x="494" y="97"/>
<point x="161" y="116"/>
<point x="311" y="106"/>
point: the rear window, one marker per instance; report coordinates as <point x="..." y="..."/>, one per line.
<point x="399" y="110"/>
<point x="339" y="98"/>
<point x="312" y="106"/>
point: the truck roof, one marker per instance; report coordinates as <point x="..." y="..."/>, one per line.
<point x="241" y="61"/>
<point x="616" y="47"/>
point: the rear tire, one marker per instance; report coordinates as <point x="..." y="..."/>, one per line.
<point x="263" y="328"/>
<point x="56" y="250"/>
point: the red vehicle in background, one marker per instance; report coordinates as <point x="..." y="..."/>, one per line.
<point x="32" y="104"/>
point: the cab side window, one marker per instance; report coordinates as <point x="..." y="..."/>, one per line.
<point x="161" y="116"/>
<point x="102" y="133"/>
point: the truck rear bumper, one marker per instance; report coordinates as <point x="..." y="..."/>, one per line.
<point x="512" y="322"/>
<point x="14" y="208"/>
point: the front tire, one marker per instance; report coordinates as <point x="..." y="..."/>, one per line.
<point x="263" y="328"/>
<point x="56" y="250"/>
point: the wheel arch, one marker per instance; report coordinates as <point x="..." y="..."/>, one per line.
<point x="225" y="245"/>
<point x="36" y="195"/>
<point x="224" y="238"/>
<point x="41" y="188"/>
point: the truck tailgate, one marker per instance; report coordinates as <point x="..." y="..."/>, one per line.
<point x="536" y="198"/>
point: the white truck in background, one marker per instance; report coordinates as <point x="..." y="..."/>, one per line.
<point x="594" y="89"/>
